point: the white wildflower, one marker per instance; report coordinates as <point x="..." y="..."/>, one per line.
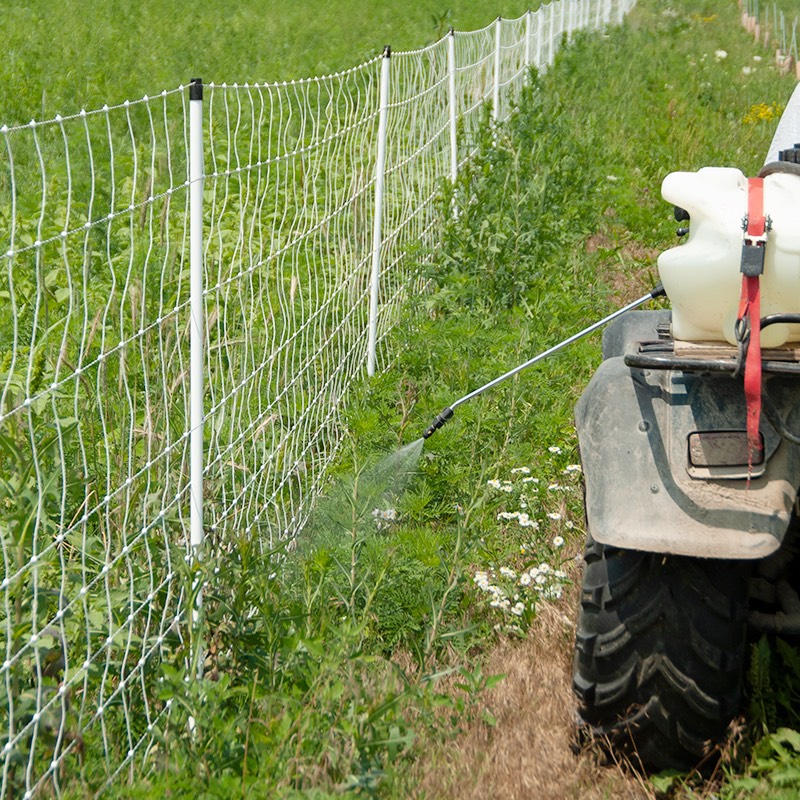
<point x="530" y="480"/>
<point x="384" y="516"/>
<point x="555" y="487"/>
<point x="521" y="471"/>
<point x="506" y="572"/>
<point x="613" y="179"/>
<point x="529" y="523"/>
<point x="554" y="449"/>
<point x="545" y="568"/>
<point x="572" y="468"/>
<point x="518" y="609"/>
<point x="508" y="515"/>
<point x="525" y="579"/>
<point x="560" y="574"/>
<point x="540" y="580"/>
<point x="507" y="486"/>
<point x="554" y="515"/>
<point x="720" y="54"/>
<point x="756" y="58"/>
<point x="747" y="70"/>
<point x="569" y="524"/>
<point x="494" y="483"/>
<point x="558" y="541"/>
<point x="552" y="593"/>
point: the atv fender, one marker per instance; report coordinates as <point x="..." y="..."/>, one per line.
<point x="633" y="427"/>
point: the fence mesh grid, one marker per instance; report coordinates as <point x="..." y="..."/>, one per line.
<point x="95" y="327"/>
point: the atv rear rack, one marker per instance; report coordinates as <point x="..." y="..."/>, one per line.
<point x="667" y="353"/>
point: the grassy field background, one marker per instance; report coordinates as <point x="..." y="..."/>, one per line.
<point x="376" y="665"/>
<point x="61" y="57"/>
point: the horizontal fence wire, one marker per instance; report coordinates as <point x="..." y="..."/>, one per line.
<point x="96" y="591"/>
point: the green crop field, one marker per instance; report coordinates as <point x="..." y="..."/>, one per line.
<point x="61" y="57"/>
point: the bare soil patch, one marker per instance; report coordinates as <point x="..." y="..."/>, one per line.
<point x="528" y="754"/>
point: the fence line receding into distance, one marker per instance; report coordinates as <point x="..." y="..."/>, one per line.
<point x="190" y="284"/>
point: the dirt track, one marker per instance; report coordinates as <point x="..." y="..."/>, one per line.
<point x="528" y="754"/>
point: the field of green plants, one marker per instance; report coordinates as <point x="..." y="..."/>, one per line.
<point x="61" y="57"/>
<point x="358" y="666"/>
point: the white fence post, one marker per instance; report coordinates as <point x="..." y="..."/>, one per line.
<point x="498" y="32"/>
<point x="380" y="169"/>
<point x="197" y="343"/>
<point x="197" y="310"/>
<point x="539" y="18"/>
<point x="451" y="82"/>
<point x="528" y="19"/>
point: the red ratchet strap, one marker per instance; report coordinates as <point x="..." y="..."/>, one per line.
<point x="750" y="308"/>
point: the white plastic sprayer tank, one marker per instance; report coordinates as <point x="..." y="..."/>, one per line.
<point x="702" y="276"/>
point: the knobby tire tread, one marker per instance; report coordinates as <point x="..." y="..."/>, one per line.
<point x="659" y="653"/>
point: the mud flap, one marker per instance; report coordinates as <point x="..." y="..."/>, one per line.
<point x="633" y="431"/>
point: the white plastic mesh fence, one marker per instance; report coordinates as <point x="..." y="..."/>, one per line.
<point x="290" y="171"/>
<point x="94" y="353"/>
<point x="93" y="434"/>
<point x="775" y="25"/>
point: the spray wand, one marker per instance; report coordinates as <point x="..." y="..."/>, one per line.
<point x="447" y="413"/>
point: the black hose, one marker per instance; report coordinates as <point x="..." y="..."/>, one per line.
<point x="773" y="319"/>
<point x="773" y="415"/>
<point x="775" y="167"/>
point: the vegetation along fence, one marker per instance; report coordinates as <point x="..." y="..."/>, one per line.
<point x="768" y="23"/>
<point x="191" y="282"/>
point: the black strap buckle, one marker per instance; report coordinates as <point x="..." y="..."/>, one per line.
<point x="754" y="250"/>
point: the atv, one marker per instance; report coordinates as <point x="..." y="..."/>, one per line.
<point x="688" y="436"/>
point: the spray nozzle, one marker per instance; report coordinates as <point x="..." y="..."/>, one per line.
<point x="438" y="422"/>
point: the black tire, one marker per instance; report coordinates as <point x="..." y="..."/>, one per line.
<point x="660" y="654"/>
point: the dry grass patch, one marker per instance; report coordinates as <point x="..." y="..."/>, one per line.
<point x="529" y="752"/>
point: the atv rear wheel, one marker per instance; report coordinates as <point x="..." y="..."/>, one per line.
<point x="659" y="653"/>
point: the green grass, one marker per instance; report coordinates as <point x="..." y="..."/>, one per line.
<point x="61" y="57"/>
<point x="323" y="678"/>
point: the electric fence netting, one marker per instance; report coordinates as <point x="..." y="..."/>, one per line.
<point x="769" y="24"/>
<point x="192" y="283"/>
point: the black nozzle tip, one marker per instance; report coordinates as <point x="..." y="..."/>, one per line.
<point x="438" y="422"/>
<point x="659" y="291"/>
